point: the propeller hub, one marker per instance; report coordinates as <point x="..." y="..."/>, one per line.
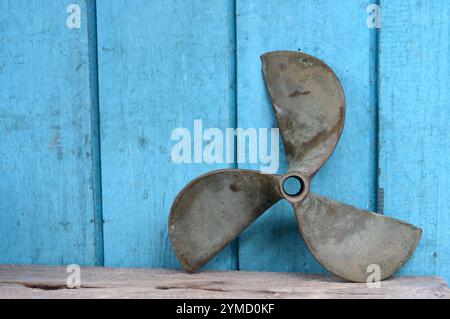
<point x="294" y="187"/>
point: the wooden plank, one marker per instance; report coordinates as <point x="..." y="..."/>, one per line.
<point x="46" y="166"/>
<point x="337" y="34"/>
<point x="414" y="125"/>
<point x="50" y="282"/>
<point x="162" y="65"/>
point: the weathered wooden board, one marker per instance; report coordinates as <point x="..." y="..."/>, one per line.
<point x="338" y="34"/>
<point x="415" y="125"/>
<point x="162" y="65"/>
<point x="50" y="282"/>
<point x="46" y="158"/>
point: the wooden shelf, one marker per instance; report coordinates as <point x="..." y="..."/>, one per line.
<point x="99" y="282"/>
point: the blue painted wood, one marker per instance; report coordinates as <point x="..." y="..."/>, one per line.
<point x="338" y="34"/>
<point x="414" y="125"/>
<point x="46" y="163"/>
<point x="162" y="64"/>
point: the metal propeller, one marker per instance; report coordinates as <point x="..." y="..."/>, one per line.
<point x="215" y="208"/>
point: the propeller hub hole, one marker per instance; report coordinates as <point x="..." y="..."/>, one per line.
<point x="293" y="186"/>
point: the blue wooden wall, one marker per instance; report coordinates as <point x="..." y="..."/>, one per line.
<point x="86" y="116"/>
<point x="47" y="108"/>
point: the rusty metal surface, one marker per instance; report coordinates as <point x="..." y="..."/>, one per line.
<point x="215" y="208"/>
<point x="346" y="240"/>
<point x="309" y="105"/>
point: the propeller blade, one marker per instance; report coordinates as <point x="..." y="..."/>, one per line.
<point x="346" y="240"/>
<point x="214" y="209"/>
<point x="309" y="105"/>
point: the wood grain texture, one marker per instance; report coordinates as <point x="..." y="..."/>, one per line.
<point x="337" y="34"/>
<point x="46" y="170"/>
<point x="415" y="125"/>
<point x="162" y="64"/>
<point x="50" y="282"/>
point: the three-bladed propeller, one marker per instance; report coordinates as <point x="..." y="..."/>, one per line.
<point x="215" y="208"/>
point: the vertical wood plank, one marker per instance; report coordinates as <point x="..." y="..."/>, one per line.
<point x="414" y="125"/>
<point x="46" y="170"/>
<point x="337" y="33"/>
<point x="162" y="64"/>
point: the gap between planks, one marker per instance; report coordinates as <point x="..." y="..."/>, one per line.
<point x="101" y="282"/>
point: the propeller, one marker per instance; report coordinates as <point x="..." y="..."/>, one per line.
<point x="213" y="209"/>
